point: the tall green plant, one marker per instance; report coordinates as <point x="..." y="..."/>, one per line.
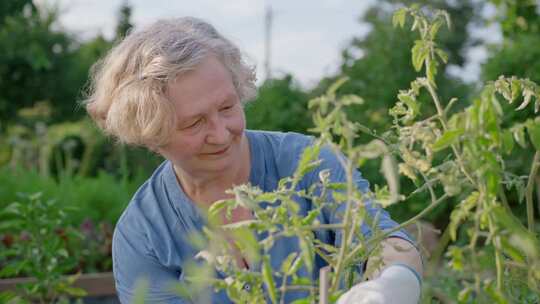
<point x="448" y="154"/>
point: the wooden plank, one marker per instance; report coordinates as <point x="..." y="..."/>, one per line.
<point x="95" y="284"/>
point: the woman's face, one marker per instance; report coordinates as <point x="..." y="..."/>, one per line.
<point x="210" y="119"/>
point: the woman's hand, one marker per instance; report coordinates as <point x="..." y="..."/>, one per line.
<point x="396" y="284"/>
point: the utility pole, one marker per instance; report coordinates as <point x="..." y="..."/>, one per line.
<point x="268" y="16"/>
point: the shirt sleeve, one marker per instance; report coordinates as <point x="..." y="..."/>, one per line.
<point x="132" y="263"/>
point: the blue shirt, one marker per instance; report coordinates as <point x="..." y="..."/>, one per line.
<point x="150" y="237"/>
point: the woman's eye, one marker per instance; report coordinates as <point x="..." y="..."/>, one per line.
<point x="226" y="108"/>
<point x="195" y="124"/>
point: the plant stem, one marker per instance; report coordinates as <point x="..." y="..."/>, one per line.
<point x="439" y="251"/>
<point x="442" y="118"/>
<point x="529" y="191"/>
<point x="399" y="227"/>
<point x="538" y="192"/>
<point x="346" y="228"/>
<point x="504" y="200"/>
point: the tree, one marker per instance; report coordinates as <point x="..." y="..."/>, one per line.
<point x="124" y="24"/>
<point x="32" y="56"/>
<point x="280" y="105"/>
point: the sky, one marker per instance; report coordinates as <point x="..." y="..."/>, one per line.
<point x="307" y="36"/>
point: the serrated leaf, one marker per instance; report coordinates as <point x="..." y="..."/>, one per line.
<point x="251" y="224"/>
<point x="287" y="263"/>
<point x="306" y="247"/>
<point x="12" y="269"/>
<point x="351" y="99"/>
<point x="11" y="225"/>
<point x="407" y="171"/>
<point x="419" y="54"/>
<point x="448" y="138"/>
<point x="297" y="263"/>
<point x="519" y="135"/>
<point x="435" y="29"/>
<point x="216" y="208"/>
<point x="515" y="87"/>
<point x="336" y="85"/>
<point x="74" y="291"/>
<point x="533" y="128"/>
<point x="461" y="213"/>
<point x="442" y="54"/>
<point x="308" y="161"/>
<point x="527" y="96"/>
<point x="268" y="279"/>
<point x="431" y="70"/>
<point x="507" y="141"/>
<point x="141" y="291"/>
<point x="310" y="217"/>
<point x="337" y="186"/>
<point x="399" y="17"/>
<point x="339" y="197"/>
<point x="410" y="101"/>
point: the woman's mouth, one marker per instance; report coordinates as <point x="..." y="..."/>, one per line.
<point x="219" y="152"/>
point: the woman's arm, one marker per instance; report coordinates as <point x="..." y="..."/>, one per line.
<point x="397" y="251"/>
<point x="397" y="280"/>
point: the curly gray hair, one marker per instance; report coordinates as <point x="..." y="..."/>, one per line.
<point x="126" y="96"/>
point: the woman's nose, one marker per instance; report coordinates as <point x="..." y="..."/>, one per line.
<point x="218" y="132"/>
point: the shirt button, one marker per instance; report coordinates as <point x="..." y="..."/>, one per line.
<point x="247" y="287"/>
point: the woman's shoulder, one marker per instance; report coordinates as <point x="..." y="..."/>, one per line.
<point x="281" y="142"/>
<point x="283" y="149"/>
<point x="147" y="203"/>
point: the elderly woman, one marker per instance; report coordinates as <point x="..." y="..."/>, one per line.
<point x="178" y="88"/>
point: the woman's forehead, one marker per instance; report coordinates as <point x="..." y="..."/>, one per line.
<point x="210" y="83"/>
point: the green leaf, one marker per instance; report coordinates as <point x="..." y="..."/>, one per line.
<point x="311" y="216"/>
<point x="336" y="85"/>
<point x="399" y="17"/>
<point x="302" y="301"/>
<point x="448" y="138"/>
<point x="456" y="258"/>
<point x="11" y="225"/>
<point x="507" y="141"/>
<point x="351" y="99"/>
<point x="431" y="69"/>
<point x="74" y="291"/>
<point x="268" y="279"/>
<point x="461" y="213"/>
<point x="435" y="29"/>
<point x="287" y="263"/>
<point x="410" y="101"/>
<point x="512" y="251"/>
<point x="419" y="54"/>
<point x="515" y="86"/>
<point x="295" y="266"/>
<point x="496" y="295"/>
<point x="141" y="290"/>
<point x="306" y="247"/>
<point x="250" y="224"/>
<point x="442" y="54"/>
<point x="216" y="208"/>
<point x="13" y="269"/>
<point x="308" y="161"/>
<point x="527" y="96"/>
<point x="519" y="135"/>
<point x="533" y="128"/>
